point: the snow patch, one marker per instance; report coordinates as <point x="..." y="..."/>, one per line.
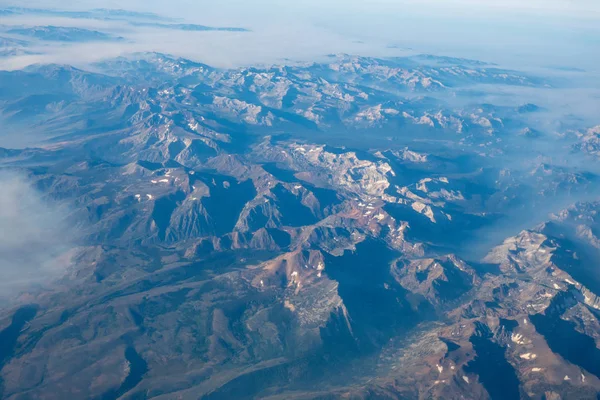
<point x="517" y="338"/>
<point x="528" y="356"/>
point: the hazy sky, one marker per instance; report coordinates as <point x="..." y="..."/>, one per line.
<point x="519" y="33"/>
<point x="237" y="8"/>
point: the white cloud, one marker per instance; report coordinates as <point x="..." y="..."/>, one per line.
<point x="510" y="32"/>
<point x="32" y="236"/>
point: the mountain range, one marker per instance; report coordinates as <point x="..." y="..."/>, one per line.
<point x="369" y="228"/>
